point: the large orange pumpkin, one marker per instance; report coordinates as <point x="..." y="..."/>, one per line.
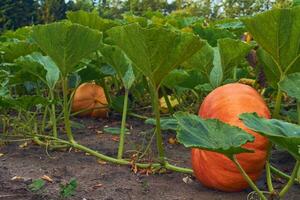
<point x="87" y="97"/>
<point x="226" y="103"/>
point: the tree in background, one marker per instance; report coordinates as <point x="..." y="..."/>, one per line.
<point x="17" y="13"/>
<point x="52" y="10"/>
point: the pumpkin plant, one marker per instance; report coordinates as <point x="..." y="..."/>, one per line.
<point x="279" y="43"/>
<point x="279" y="52"/>
<point x="125" y="70"/>
<point x="46" y="71"/>
<point x="66" y="44"/>
<point x="220" y="63"/>
<point x="155" y="52"/>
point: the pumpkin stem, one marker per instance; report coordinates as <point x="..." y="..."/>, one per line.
<point x="268" y="170"/>
<point x="66" y="110"/>
<point x="248" y="179"/>
<point x="276" y="112"/>
<point x="159" y="139"/>
<point x="291" y="181"/>
<point x="123" y="124"/>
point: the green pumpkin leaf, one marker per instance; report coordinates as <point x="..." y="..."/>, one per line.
<point x="268" y="65"/>
<point x="155" y="51"/>
<point x="114" y="56"/>
<point x="202" y="60"/>
<point x="115" y="130"/>
<point x="175" y="78"/>
<point x="291" y="85"/>
<point x="166" y="123"/>
<point x="91" y="19"/>
<point x="66" y="43"/>
<point x="211" y="134"/>
<point x="283" y="134"/>
<point x="277" y="32"/>
<point x="35" y="63"/>
<point x="15" y="49"/>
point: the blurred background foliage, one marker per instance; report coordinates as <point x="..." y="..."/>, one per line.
<point x="18" y="13"/>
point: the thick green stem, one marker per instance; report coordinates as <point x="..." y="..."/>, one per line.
<point x="53" y="115"/>
<point x="44" y="120"/>
<point x="170" y="108"/>
<point x="66" y="110"/>
<point x="123" y="124"/>
<point x="248" y="179"/>
<point x="298" y="110"/>
<point x="178" y="169"/>
<point x="276" y="112"/>
<point x="268" y="170"/>
<point x="291" y="181"/>
<point x="159" y="139"/>
<point x="102" y="156"/>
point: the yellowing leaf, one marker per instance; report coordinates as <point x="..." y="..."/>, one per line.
<point x="163" y="105"/>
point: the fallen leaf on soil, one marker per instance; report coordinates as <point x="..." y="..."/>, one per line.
<point x="115" y="138"/>
<point x="97" y="186"/>
<point x="172" y="140"/>
<point x="17" y="178"/>
<point x="87" y="154"/>
<point x="101" y="162"/>
<point x="25" y="144"/>
<point x="187" y="180"/>
<point x="47" y="178"/>
<point x="99" y="132"/>
<point x="1" y="154"/>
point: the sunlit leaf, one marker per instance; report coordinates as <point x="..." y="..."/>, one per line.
<point x="66" y="43"/>
<point x="155" y="51"/>
<point x="277" y="32"/>
<point x="91" y="19"/>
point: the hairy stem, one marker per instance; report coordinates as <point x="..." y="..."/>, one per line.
<point x="276" y="112"/>
<point x="159" y="139"/>
<point x="291" y="181"/>
<point x="248" y="179"/>
<point x="66" y="110"/>
<point x="123" y="124"/>
<point x="268" y="170"/>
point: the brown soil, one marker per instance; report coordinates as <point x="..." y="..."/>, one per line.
<point x="117" y="182"/>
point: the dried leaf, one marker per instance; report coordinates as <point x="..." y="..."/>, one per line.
<point x="47" y="178"/>
<point x="99" y="185"/>
<point x="1" y="154"/>
<point x="25" y="144"/>
<point x="101" y="162"/>
<point x="172" y="140"/>
<point x="115" y="138"/>
<point x="17" y="178"/>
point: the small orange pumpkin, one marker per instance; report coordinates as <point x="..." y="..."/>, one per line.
<point x="226" y="103"/>
<point x="90" y="97"/>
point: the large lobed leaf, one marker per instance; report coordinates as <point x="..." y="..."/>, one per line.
<point x="278" y="32"/>
<point x="66" y="43"/>
<point x="211" y="135"/>
<point x="291" y="85"/>
<point x="155" y="51"/>
<point x="40" y="66"/>
<point x="284" y="134"/>
<point x="91" y="19"/>
<point x="114" y="56"/>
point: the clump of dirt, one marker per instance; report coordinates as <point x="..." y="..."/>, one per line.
<point x="98" y="180"/>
